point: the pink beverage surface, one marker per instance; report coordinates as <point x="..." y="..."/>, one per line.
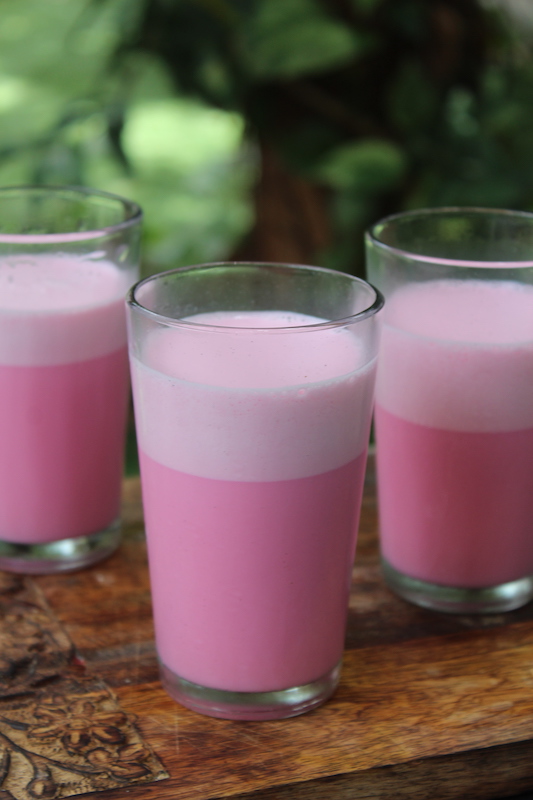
<point x="454" y="427"/>
<point x="63" y="396"/>
<point x="253" y="447"/>
<point x="62" y="434"/>
<point x="458" y="509"/>
<point x="250" y="579"/>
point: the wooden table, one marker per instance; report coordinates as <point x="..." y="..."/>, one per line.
<point x="430" y="706"/>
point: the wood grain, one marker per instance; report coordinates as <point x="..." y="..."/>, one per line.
<point x="430" y="706"/>
<point x="68" y="738"/>
<point x="33" y="645"/>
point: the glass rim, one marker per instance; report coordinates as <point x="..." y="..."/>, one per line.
<point x="135" y="305"/>
<point x="133" y="214"/>
<point x="442" y="211"/>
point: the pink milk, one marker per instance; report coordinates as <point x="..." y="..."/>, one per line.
<point x="253" y="448"/>
<point x="63" y="396"/>
<point x="454" y="424"/>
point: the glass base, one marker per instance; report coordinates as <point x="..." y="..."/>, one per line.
<point x="63" y="555"/>
<point x="456" y="600"/>
<point x="250" y="705"/>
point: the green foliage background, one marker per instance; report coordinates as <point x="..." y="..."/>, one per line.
<point x="381" y="104"/>
<point x="70" y="113"/>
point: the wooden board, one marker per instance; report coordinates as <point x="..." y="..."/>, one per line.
<point x="430" y="706"/>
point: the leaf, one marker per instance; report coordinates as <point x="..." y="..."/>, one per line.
<point x="110" y="718"/>
<point x="99" y="757"/>
<point x="412" y="100"/>
<point x="81" y="708"/>
<point x="365" y="165"/>
<point x="293" y="37"/>
<point x="130" y="770"/>
<point x="76" y="739"/>
<point x="42" y="785"/>
<point x="365" y="6"/>
<point x="50" y="714"/>
<point x="108" y="734"/>
<point x="45" y="731"/>
<point x="133" y="752"/>
<point x="460" y="111"/>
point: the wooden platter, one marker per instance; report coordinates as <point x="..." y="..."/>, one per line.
<point x="430" y="706"/>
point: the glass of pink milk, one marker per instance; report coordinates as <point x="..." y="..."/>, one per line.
<point x="67" y="259"/>
<point x="454" y="406"/>
<point x="253" y="389"/>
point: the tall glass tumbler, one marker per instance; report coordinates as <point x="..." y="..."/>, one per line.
<point x="67" y="258"/>
<point x="253" y="389"/>
<point x="454" y="406"/>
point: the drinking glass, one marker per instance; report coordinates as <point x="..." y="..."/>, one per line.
<point x="454" y="406"/>
<point x="67" y="258"/>
<point x="253" y="388"/>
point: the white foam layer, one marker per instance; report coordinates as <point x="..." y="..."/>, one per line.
<point x="458" y="355"/>
<point x="59" y="309"/>
<point x="249" y="405"/>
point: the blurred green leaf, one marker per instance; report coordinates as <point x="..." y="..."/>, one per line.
<point x="288" y="38"/>
<point x="365" y="6"/>
<point x="366" y="166"/>
<point x="384" y="104"/>
<point x="461" y="112"/>
<point x="412" y="100"/>
<point x="67" y="116"/>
